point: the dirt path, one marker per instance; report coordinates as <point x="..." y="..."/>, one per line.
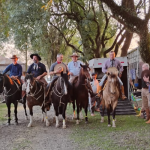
<point x="38" y="137"/>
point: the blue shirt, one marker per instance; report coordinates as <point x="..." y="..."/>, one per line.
<point x="38" y="70"/>
<point x="15" y="70"/>
<point x="74" y="67"/>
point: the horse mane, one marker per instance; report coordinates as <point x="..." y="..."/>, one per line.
<point x="29" y="76"/>
<point x="9" y="79"/>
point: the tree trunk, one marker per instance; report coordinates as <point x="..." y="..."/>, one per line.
<point x="126" y="44"/>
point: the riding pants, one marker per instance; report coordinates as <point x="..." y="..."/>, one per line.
<point x="104" y="78"/>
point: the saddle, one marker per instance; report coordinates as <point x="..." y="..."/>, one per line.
<point x="17" y="82"/>
<point x="49" y="87"/>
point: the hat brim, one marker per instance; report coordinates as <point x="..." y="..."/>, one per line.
<point x="13" y="57"/>
<point x="39" y="58"/>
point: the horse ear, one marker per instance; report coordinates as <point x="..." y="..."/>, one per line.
<point x="81" y="65"/>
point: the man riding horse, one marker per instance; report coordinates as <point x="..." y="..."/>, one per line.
<point x="38" y="70"/>
<point x="15" y="70"/>
<point x="74" y="67"/>
<point x="112" y="62"/>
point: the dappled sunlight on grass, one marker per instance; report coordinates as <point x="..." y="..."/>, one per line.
<point x="131" y="132"/>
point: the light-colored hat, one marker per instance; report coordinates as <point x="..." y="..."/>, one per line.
<point x="60" y="66"/>
<point x="74" y="54"/>
<point x="113" y="70"/>
<point x="13" y="57"/>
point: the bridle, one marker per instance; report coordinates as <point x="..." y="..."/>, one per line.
<point x="56" y="92"/>
<point x="36" y="92"/>
<point x="6" y="93"/>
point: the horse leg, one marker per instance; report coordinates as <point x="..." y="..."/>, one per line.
<point x="64" y="117"/>
<point x="9" y="111"/>
<point x="74" y="112"/>
<point x="31" y="116"/>
<point x="77" y="121"/>
<point x="86" y="118"/>
<point x="24" y="106"/>
<point x="103" y="111"/>
<point x="108" y="114"/>
<point x="46" y="118"/>
<point x="15" y="112"/>
<point x="114" y="113"/>
<point x="56" y="116"/>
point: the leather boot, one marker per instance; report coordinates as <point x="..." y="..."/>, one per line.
<point x="22" y="99"/>
<point x="147" y="114"/>
<point x="123" y="97"/>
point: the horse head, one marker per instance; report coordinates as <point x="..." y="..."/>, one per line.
<point x="85" y="71"/>
<point x="29" y="79"/>
<point x="113" y="82"/>
<point x="1" y="83"/>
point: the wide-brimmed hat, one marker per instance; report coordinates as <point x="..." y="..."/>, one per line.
<point x="74" y="54"/>
<point x="60" y="66"/>
<point x="13" y="57"/>
<point x="39" y="58"/>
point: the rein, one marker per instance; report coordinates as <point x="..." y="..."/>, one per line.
<point x="34" y="94"/>
<point x="6" y="93"/>
<point x="57" y="93"/>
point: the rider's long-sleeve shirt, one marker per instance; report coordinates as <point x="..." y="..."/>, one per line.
<point x="116" y="63"/>
<point x="15" y="70"/>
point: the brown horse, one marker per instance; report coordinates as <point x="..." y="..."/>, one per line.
<point x="111" y="93"/>
<point x="35" y="96"/>
<point x="80" y="91"/>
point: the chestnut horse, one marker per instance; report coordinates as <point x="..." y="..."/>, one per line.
<point x="35" y="96"/>
<point x="80" y="91"/>
<point x="111" y="93"/>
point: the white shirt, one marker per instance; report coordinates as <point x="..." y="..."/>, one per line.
<point x="74" y="67"/>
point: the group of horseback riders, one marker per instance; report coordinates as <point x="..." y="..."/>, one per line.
<point x="38" y="70"/>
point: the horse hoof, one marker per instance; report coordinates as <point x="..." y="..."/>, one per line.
<point x="57" y="126"/>
<point x="47" y="124"/>
<point x="109" y="125"/>
<point x="64" y="127"/>
<point x="7" y="124"/>
<point x="77" y="121"/>
<point x="86" y="122"/>
<point x="102" y="121"/>
<point x="29" y="125"/>
<point x="114" y="126"/>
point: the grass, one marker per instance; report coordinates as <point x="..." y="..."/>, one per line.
<point x="3" y="112"/>
<point x="131" y="133"/>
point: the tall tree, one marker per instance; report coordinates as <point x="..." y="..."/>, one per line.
<point x="133" y="21"/>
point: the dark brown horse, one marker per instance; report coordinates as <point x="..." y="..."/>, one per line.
<point x="111" y="93"/>
<point x="80" y="91"/>
<point x="35" y="96"/>
<point x="12" y="94"/>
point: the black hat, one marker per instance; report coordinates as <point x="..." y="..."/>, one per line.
<point x="39" y="58"/>
<point x="93" y="74"/>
